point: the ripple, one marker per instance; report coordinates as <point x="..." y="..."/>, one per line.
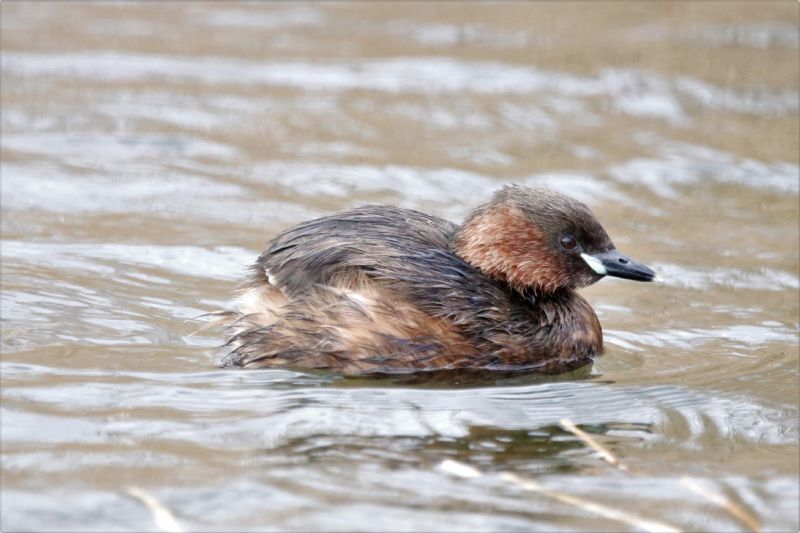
<point x="634" y="92"/>
<point x="47" y="187"/>
<point x="440" y="35"/>
<point x="275" y="19"/>
<point x="66" y="509"/>
<point x="81" y="150"/>
<point x="420" y="188"/>
<point x="268" y="417"/>
<point x="762" y="279"/>
<point x="113" y="303"/>
<point x="683" y="164"/>
<point x="732" y="336"/>
<point x="761" y="34"/>
<point x="221" y="262"/>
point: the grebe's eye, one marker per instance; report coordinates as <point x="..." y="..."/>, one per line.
<point x="568" y="242"/>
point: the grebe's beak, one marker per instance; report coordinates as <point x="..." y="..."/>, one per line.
<point x="613" y="263"/>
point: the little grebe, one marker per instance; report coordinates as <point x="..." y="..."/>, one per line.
<point x="383" y="290"/>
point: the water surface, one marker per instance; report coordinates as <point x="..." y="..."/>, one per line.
<point x="150" y="150"/>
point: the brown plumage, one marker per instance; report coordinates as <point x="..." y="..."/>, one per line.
<point x="384" y="290"/>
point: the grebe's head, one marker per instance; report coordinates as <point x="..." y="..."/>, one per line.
<point x="537" y="239"/>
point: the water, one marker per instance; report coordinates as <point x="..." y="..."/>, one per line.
<point x="149" y="151"/>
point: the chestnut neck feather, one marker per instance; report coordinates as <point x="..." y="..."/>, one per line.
<point x="503" y="244"/>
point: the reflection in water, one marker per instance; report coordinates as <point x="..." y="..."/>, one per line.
<point x="147" y="155"/>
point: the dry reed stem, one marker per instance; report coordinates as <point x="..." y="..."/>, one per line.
<point x="466" y="471"/>
<point x="737" y="512"/>
<point x="644" y="524"/>
<point x="607" y="456"/>
<point x="740" y="514"/>
<point x="163" y="517"/>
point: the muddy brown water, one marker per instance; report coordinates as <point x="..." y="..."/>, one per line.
<point x="149" y="150"/>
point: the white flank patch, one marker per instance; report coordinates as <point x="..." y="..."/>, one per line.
<point x="353" y="295"/>
<point x="594" y="263"/>
<point x="251" y="301"/>
<point x="358" y="297"/>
